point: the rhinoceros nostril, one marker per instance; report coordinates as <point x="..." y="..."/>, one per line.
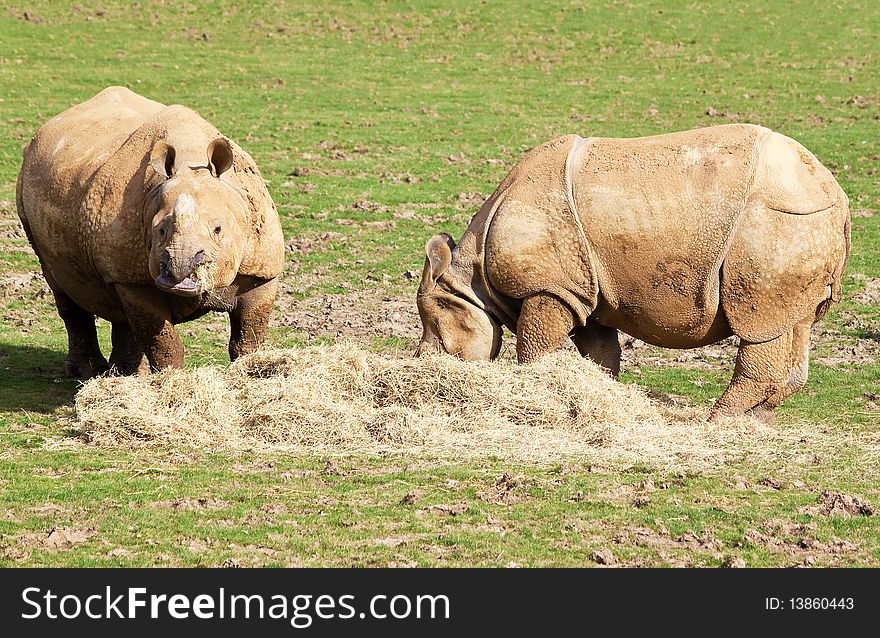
<point x="199" y="258"/>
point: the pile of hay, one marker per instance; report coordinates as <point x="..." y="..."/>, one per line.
<point x="342" y="399"/>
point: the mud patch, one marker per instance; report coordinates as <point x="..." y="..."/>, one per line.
<point x="190" y="504"/>
<point x="714" y="357"/>
<point x="445" y="510"/>
<point x="11" y="229"/>
<point x="839" y="504"/>
<point x="870" y="296"/>
<point x="667" y="545"/>
<point x="799" y="542"/>
<point x="507" y="490"/>
<point x="305" y="244"/>
<point x="64" y="537"/>
<point x="361" y="313"/>
<point x="603" y="556"/>
<point x="18" y="285"/>
<point x="56" y="539"/>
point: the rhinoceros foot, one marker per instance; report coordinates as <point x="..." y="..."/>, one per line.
<point x="85" y="367"/>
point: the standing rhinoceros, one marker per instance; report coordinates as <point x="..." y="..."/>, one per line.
<point x="146" y="216"/>
<point x="680" y="240"/>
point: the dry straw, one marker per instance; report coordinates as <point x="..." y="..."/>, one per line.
<point x="341" y="399"/>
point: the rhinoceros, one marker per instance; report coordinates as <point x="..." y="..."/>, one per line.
<point x="145" y="215"/>
<point x="680" y="240"/>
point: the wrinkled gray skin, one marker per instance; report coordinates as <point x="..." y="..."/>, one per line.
<point x="680" y="240"/>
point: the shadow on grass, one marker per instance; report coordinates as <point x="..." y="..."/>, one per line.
<point x="32" y="378"/>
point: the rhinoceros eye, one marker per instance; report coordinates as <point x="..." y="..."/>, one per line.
<point x="217" y="230"/>
<point x="161" y="232"/>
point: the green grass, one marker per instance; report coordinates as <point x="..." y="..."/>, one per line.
<point x="370" y="101"/>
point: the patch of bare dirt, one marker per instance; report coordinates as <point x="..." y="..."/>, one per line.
<point x="305" y="244"/>
<point x="405" y="210"/>
<point x="274" y="508"/>
<point x="839" y="350"/>
<point x="456" y="509"/>
<point x="12" y="229"/>
<point x="871" y="293"/>
<point x="839" y="504"/>
<point x="254" y="554"/>
<point x="194" y="545"/>
<point x="55" y="539"/>
<point x="861" y="101"/>
<point x="705" y="541"/>
<point x="603" y="556"/>
<point x="507" y="490"/>
<point x="730" y="115"/>
<point x="392" y="541"/>
<point x="799" y="541"/>
<point x="24" y="284"/>
<point x="64" y="537"/>
<point x="49" y="509"/>
<point x="191" y="504"/>
<point x="717" y="356"/>
<point x="359" y="313"/>
<point x="661" y="539"/>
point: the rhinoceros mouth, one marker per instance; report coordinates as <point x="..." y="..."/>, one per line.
<point x="187" y="287"/>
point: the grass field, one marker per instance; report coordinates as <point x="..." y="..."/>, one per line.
<point x="377" y="125"/>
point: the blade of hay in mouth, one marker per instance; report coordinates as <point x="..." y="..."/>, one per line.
<point x="342" y="399"/>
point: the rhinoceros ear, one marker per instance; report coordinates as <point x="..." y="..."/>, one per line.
<point x="162" y="159"/>
<point x="219" y="156"/>
<point x="438" y="253"/>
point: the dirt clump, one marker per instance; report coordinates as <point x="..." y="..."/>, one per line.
<point x="832" y="503"/>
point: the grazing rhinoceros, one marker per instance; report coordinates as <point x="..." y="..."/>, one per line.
<point x="680" y="240"/>
<point x="146" y="216"/>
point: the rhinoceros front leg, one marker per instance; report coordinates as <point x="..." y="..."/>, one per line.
<point x="599" y="344"/>
<point x="127" y="357"/>
<point x="250" y="319"/>
<point x="544" y="323"/>
<point x="149" y="318"/>
<point x="84" y="358"/>
<point x="760" y="379"/>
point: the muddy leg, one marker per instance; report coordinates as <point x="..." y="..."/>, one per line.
<point x="600" y="344"/>
<point x="127" y="355"/>
<point x="250" y="318"/>
<point x="84" y="358"/>
<point x="149" y="319"/>
<point x="759" y="379"/>
<point x="544" y="323"/>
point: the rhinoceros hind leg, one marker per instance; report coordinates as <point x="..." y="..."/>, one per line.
<point x="543" y="325"/>
<point x="127" y="357"/>
<point x="760" y="379"/>
<point x="600" y="344"/>
<point x="250" y="319"/>
<point x="84" y="358"/>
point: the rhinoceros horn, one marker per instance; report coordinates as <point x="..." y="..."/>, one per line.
<point x="184" y="212"/>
